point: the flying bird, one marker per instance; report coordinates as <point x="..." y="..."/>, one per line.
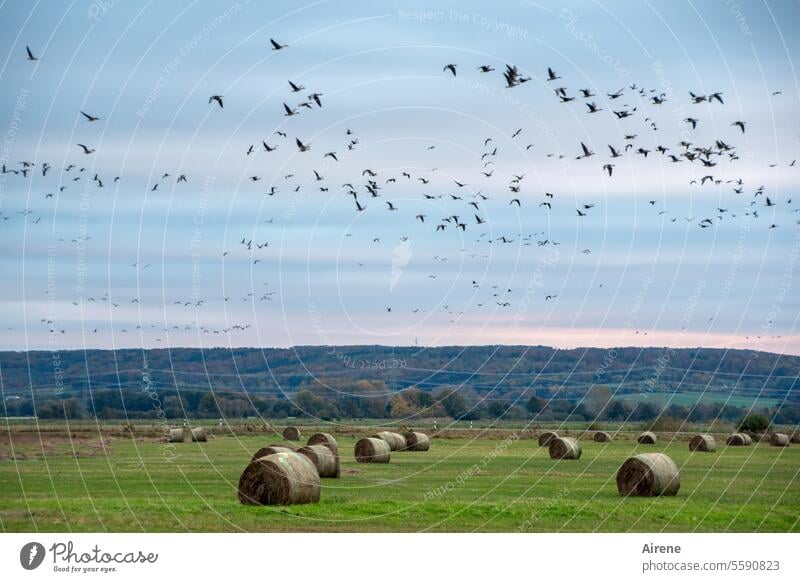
<point x="276" y="46"/>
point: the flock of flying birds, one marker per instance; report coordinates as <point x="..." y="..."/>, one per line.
<point x="714" y="162"/>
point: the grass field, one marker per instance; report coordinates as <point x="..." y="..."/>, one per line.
<point x="692" y="398"/>
<point x="461" y="484"/>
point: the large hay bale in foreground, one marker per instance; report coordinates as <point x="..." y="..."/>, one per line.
<point x="372" y="450"/>
<point x="417" y="441"/>
<point x="271" y="450"/>
<point x="396" y="441"/>
<point x="602" y="436"/>
<point x="648" y="475"/>
<point x="323" y="438"/>
<point x="291" y="433"/>
<point x="546" y="437"/>
<point x="704" y="443"/>
<point x="565" y="448"/>
<point x="325" y="460"/>
<point x="175" y="435"/>
<point x="647" y="438"/>
<point x="738" y="439"/>
<point x="199" y="434"/>
<point x="279" y="479"/>
<point x="778" y="439"/>
<point x="748" y="440"/>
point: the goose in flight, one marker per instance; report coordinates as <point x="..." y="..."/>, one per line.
<point x="277" y="46"/>
<point x="451" y="67"/>
<point x="486" y="68"/>
<point x="551" y="75"/>
<point x="739" y="124"/>
<point x="218" y="99"/>
<point x="85" y="149"/>
<point x="30" y="54"/>
<point x="301" y="146"/>
<point x="89" y="117"/>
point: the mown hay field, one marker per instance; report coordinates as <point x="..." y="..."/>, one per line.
<point x="461" y="484"/>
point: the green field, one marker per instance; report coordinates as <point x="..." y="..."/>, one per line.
<point x="462" y="484"/>
<point x="692" y="398"/>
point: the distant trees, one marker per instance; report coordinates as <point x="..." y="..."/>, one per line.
<point x="454" y="403"/>
<point x="336" y="398"/>
<point x="754" y="422"/>
<point x="535" y="405"/>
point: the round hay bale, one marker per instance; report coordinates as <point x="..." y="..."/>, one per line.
<point x="648" y="475"/>
<point x="175" y="435"/>
<point x="279" y="479"/>
<point x="325" y="460"/>
<point x="778" y="439"/>
<point x="602" y="437"/>
<point x="738" y="439"/>
<point x="396" y="441"/>
<point x="647" y="438"/>
<point x="704" y="443"/>
<point x="417" y="441"/>
<point x="271" y="450"/>
<point x="546" y="437"/>
<point x="323" y="438"/>
<point x="291" y="433"/>
<point x="565" y="448"/>
<point x="199" y="435"/>
<point x="795" y="438"/>
<point x="372" y="450"/>
<point x="748" y="440"/>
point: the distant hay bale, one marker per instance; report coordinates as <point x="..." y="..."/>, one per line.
<point x="738" y="439"/>
<point x="279" y="479"/>
<point x="291" y="433"/>
<point x="795" y="438"/>
<point x="565" y="448"/>
<point x="546" y="437"/>
<point x="704" y="443"/>
<point x="748" y="440"/>
<point x="199" y="434"/>
<point x="396" y="441"/>
<point x="648" y="475"/>
<point x="778" y="439"/>
<point x="601" y="437"/>
<point x="323" y="438"/>
<point x="325" y="459"/>
<point x="647" y="438"/>
<point x="417" y="441"/>
<point x="372" y="450"/>
<point x="176" y="435"/>
<point x="271" y="450"/>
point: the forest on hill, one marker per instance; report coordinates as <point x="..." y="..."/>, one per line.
<point x="384" y="381"/>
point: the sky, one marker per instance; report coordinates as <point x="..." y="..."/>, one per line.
<point x="123" y="265"/>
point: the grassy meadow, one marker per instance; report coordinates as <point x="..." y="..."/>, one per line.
<point x="84" y="483"/>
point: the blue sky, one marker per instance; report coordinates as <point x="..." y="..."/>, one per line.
<point x="125" y="266"/>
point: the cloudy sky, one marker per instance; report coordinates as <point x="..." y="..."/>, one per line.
<point x="124" y="265"/>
